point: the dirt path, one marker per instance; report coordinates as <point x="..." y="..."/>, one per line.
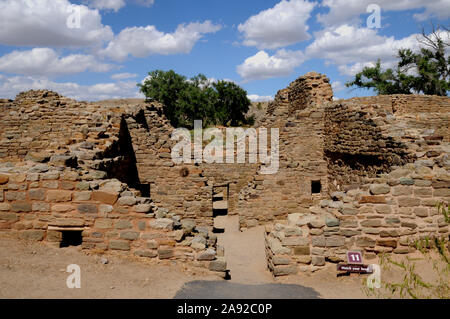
<point x="245" y="255"/>
<point x="244" y="252"/>
<point x="36" y="270"/>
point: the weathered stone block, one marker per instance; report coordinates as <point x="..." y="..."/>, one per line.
<point x="103" y="223"/>
<point x="123" y="224"/>
<point x="281" y="260"/>
<point x="129" y="235"/>
<point x="142" y="208"/>
<point x="383" y="209"/>
<point x="67" y="222"/>
<point x="284" y="270"/>
<point x="5" y="206"/>
<point x="152" y="244"/>
<point x="316" y="224"/>
<point x="60" y="208"/>
<point x="218" y="265"/>
<point x="127" y="201"/>
<point x="421" y="211"/>
<point x="105" y="197"/>
<point x="40" y="207"/>
<point x="12" y="196"/>
<point x="57" y="196"/>
<point x="318" y="260"/>
<point x="371" y="223"/>
<point x="24" y="207"/>
<point x="332" y="221"/>
<point x="387" y="242"/>
<point x="166" y="253"/>
<point x="302" y="250"/>
<point x="54" y="236"/>
<point x="10" y="217"/>
<point x="36" y="194"/>
<point x="32" y="234"/>
<point x="389" y="233"/>
<point x="87" y="209"/>
<point x="295" y="241"/>
<point x="119" y="244"/>
<point x="82" y="196"/>
<point x="372" y="200"/>
<point x="408" y="201"/>
<point x="349" y="232"/>
<point x="50" y="184"/>
<point x="318" y="241"/>
<point x="4" y="179"/>
<point x="371" y="231"/>
<point x="162" y="223"/>
<point x="441" y="192"/>
<point x="146" y="253"/>
<point x="209" y="254"/>
<point x="334" y="241"/>
<point x="406" y="181"/>
<point x="365" y="242"/>
<point x="379" y="189"/>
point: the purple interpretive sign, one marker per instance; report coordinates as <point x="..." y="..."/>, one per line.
<point x="354" y="257"/>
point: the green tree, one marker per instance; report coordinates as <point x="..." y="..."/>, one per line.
<point x="186" y="100"/>
<point x="232" y="103"/>
<point x="426" y="71"/>
<point x="166" y="88"/>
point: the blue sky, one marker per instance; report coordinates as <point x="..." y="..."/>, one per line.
<point x="98" y="49"/>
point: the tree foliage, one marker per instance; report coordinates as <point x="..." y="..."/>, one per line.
<point x="426" y="71"/>
<point x="197" y="98"/>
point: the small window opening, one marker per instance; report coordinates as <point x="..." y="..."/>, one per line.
<point x="316" y="187"/>
<point x="71" y="238"/>
<point x="144" y="189"/>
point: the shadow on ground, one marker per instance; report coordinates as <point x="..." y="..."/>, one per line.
<point x="200" y="289"/>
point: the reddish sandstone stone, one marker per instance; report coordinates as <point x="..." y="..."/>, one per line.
<point x="59" y="196"/>
<point x="4" y="179"/>
<point x="372" y="200"/>
<point x="105" y="197"/>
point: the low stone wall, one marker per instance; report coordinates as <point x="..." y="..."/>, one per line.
<point x="40" y="202"/>
<point x="386" y="215"/>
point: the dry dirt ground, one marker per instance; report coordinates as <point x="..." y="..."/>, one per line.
<point x="37" y="270"/>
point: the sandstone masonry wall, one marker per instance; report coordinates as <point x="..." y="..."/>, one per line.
<point x="386" y="215"/>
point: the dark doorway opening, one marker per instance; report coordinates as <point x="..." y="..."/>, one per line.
<point x="71" y="238"/>
<point x="220" y="197"/>
<point x="316" y="187"/>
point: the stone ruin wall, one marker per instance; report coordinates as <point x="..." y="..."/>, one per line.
<point x="301" y="142"/>
<point x="369" y="135"/>
<point x="67" y="179"/>
<point x="380" y="166"/>
<point x="388" y="167"/>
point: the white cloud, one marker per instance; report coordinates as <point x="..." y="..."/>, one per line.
<point x="259" y="98"/>
<point x="123" y="76"/>
<point x="44" y="23"/>
<point x="352" y="48"/>
<point x="46" y="61"/>
<point x="11" y="86"/>
<point x="145" y="3"/>
<point x="115" y="5"/>
<point x="348" y="11"/>
<point x="144" y="41"/>
<point x="282" y="25"/>
<point x="262" y="66"/>
<point x="338" y="86"/>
